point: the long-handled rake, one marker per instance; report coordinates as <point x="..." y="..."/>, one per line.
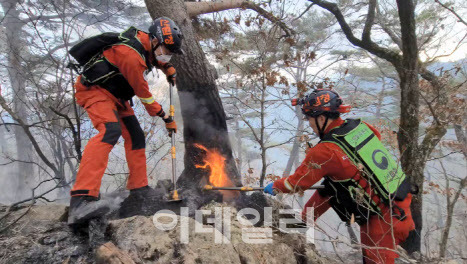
<point x="174" y="197"/>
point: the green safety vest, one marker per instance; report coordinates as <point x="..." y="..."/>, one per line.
<point x="379" y="170"/>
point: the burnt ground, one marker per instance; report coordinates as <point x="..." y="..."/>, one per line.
<point x="40" y="234"/>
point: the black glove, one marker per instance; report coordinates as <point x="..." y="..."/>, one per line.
<point x="170" y="125"/>
<point x="171" y="78"/>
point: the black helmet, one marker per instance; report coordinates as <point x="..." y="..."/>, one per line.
<point x="321" y="101"/>
<point x="167" y="33"/>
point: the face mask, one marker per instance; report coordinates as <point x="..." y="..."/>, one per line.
<point x="162" y="58"/>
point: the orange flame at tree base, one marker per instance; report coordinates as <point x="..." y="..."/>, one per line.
<point x="217" y="177"/>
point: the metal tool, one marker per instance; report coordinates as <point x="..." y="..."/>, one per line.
<point x="174" y="195"/>
<point x="247" y="188"/>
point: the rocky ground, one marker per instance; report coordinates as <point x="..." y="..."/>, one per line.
<point x="41" y="235"/>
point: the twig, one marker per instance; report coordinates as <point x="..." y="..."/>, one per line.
<point x="7" y="212"/>
<point x="306" y="10"/>
<point x="393" y="57"/>
<point x="444" y="156"/>
<point x="452" y="11"/>
<point x="38" y="196"/>
<point x="197" y="8"/>
<point x="16" y="220"/>
<point x="27" y="131"/>
<point x="77" y="141"/>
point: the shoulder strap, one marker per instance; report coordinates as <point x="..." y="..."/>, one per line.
<point x="91" y="47"/>
<point x="130" y="38"/>
<point x="344" y="129"/>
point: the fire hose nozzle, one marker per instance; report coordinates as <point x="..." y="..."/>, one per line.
<point x="246" y="188"/>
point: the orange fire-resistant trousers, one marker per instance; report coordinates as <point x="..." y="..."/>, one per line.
<point x="112" y="119"/>
<point x="381" y="235"/>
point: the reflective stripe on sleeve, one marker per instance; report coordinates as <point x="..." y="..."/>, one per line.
<point x="288" y="185"/>
<point x="148" y="100"/>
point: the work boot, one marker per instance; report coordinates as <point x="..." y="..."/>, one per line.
<point x="144" y="194"/>
<point x="141" y="201"/>
<point x="84" y="208"/>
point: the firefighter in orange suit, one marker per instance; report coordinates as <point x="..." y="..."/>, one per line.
<point x="349" y="189"/>
<point x="104" y="91"/>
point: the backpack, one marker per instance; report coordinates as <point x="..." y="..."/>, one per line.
<point x="379" y="170"/>
<point x="95" y="69"/>
<point x="86" y="49"/>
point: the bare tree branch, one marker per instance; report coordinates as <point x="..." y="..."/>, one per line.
<point x="195" y="9"/>
<point x="76" y="140"/>
<point x="452" y="11"/>
<point x="460" y="134"/>
<point x="279" y="144"/>
<point x="27" y="131"/>
<point x="304" y="12"/>
<point x="383" y="24"/>
<point x="370" y="20"/>
<point x="33" y="198"/>
<point x="433" y="136"/>
<point x="43" y="18"/>
<point x="16" y="220"/>
<point x="288" y="31"/>
<point x="459" y="44"/>
<point x="450" y="210"/>
<point x="387" y="54"/>
<point x="431" y="77"/>
<point x="198" y="8"/>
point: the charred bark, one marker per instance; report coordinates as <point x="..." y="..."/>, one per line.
<point x="204" y="119"/>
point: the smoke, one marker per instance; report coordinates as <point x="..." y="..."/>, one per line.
<point x="107" y="204"/>
<point x="7" y="171"/>
<point x="12" y="188"/>
<point x="201" y="112"/>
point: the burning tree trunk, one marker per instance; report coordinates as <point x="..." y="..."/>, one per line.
<point x="203" y="115"/>
<point x="204" y="119"/>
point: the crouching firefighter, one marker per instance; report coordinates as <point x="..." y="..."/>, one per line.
<point x="363" y="183"/>
<point x="112" y="71"/>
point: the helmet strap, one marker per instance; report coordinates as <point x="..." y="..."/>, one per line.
<point x="321" y="129"/>
<point x="154" y="61"/>
<point x="157" y="46"/>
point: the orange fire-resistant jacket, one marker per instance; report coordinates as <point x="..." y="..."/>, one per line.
<point x="133" y="68"/>
<point x="380" y="234"/>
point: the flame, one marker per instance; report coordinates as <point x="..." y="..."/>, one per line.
<point x="218" y="176"/>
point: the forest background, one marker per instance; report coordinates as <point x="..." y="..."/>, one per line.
<point x="264" y="54"/>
